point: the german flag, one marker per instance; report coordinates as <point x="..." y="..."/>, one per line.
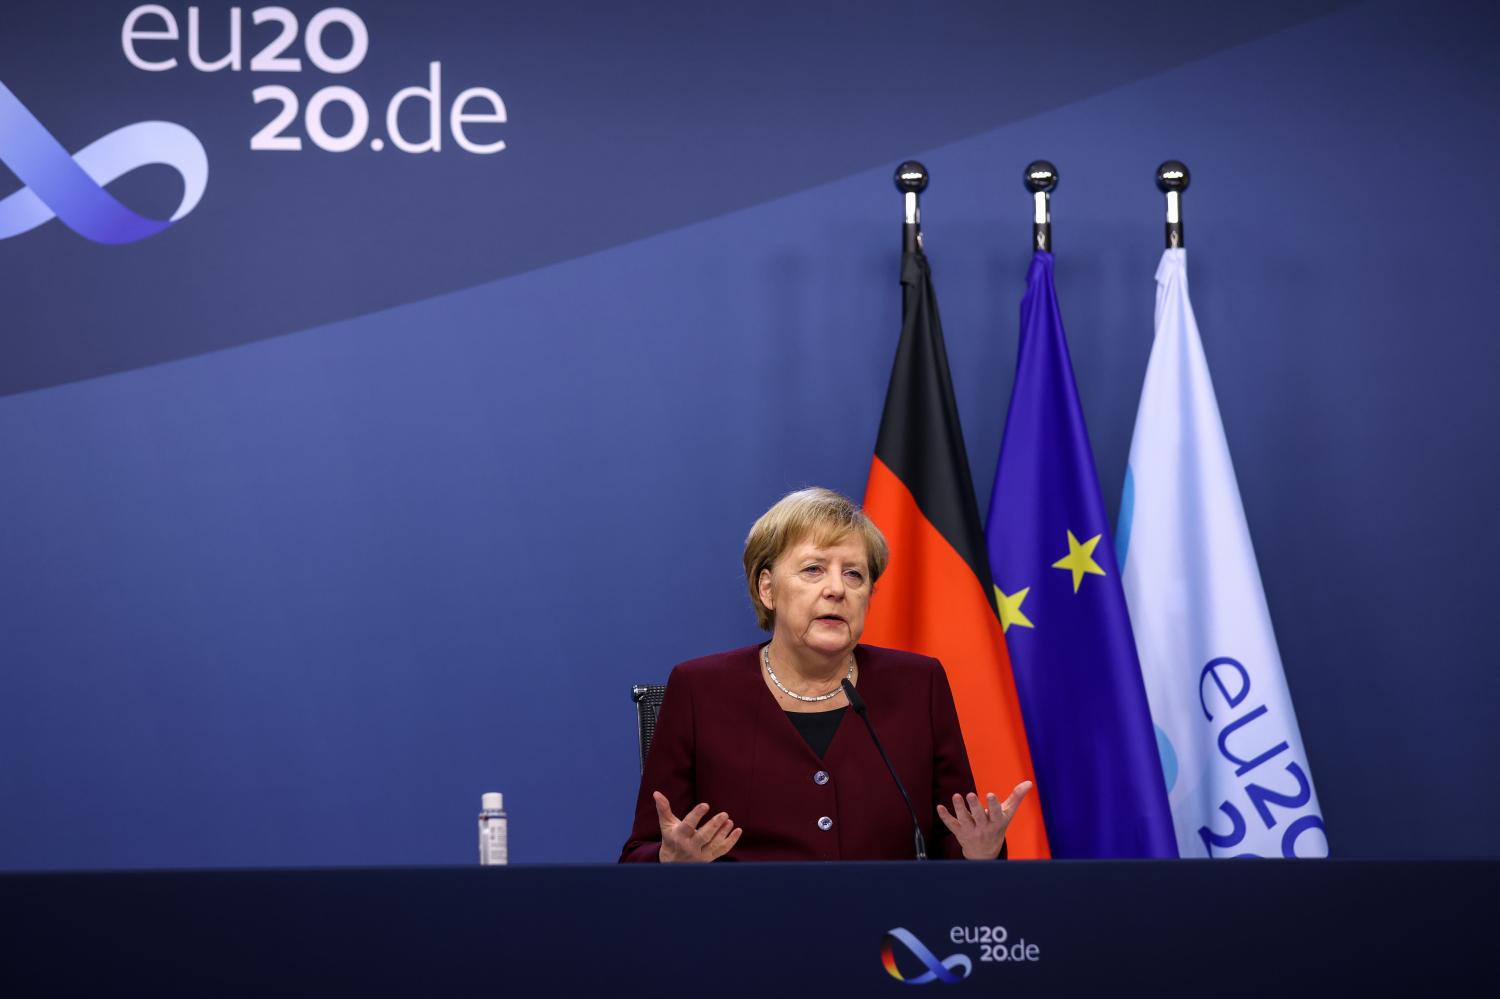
<point x="935" y="597"/>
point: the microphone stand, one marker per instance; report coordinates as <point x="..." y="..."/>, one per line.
<point x="858" y="704"/>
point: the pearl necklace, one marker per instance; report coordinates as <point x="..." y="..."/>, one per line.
<point x="765" y="657"/>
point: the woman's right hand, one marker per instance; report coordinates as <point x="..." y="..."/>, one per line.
<point x="685" y="841"/>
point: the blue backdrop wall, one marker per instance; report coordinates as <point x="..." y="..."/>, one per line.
<point x="373" y="481"/>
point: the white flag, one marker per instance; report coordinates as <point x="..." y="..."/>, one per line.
<point x="1237" y="776"/>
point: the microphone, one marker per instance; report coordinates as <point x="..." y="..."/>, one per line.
<point x="858" y="704"/>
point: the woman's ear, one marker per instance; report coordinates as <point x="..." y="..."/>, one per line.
<point x="764" y="588"/>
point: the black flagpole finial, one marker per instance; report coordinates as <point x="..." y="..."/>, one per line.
<point x="1172" y="178"/>
<point x="1041" y="179"/>
<point x="911" y="176"/>
<point x="911" y="180"/>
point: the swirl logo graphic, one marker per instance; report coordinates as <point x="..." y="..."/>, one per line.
<point x="71" y="188"/>
<point x="942" y="971"/>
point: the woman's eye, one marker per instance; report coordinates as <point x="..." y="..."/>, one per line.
<point x="812" y="569"/>
<point x="855" y="575"/>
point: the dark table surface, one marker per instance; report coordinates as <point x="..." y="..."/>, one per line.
<point x="1137" y="927"/>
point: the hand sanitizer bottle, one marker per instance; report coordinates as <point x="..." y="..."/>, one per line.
<point x="493" y="845"/>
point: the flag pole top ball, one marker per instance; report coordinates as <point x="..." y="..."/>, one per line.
<point x="911" y="177"/>
<point x="1172" y="176"/>
<point x="1041" y="177"/>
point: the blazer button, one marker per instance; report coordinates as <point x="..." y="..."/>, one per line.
<point x="825" y="823"/>
<point x="821" y="777"/>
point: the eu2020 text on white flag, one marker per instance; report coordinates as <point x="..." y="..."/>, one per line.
<point x="1237" y="777"/>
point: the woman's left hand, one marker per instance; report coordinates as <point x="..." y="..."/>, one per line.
<point x="980" y="828"/>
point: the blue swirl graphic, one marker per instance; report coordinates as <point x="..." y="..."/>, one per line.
<point x="936" y="970"/>
<point x="71" y="188"/>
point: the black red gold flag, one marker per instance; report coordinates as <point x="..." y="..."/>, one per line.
<point x="936" y="596"/>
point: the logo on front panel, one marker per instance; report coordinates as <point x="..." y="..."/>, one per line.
<point x="914" y="963"/>
<point x="946" y="970"/>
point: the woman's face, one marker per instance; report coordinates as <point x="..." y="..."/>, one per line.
<point x="819" y="594"/>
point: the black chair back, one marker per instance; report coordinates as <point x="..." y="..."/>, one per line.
<point x="647" y="697"/>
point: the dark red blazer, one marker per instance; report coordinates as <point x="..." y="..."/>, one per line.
<point x="722" y="738"/>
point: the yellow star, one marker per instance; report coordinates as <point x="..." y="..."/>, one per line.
<point x="1010" y="609"/>
<point x="1080" y="559"/>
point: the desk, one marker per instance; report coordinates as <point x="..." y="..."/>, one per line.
<point x="1156" y="928"/>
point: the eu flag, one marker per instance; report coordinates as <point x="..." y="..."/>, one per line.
<point x="1062" y="608"/>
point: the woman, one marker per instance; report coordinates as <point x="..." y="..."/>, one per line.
<point x="763" y="734"/>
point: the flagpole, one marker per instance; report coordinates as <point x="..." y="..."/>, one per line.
<point x="911" y="180"/>
<point x="1041" y="178"/>
<point x="1172" y="179"/>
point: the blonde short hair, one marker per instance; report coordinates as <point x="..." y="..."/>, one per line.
<point x="819" y="515"/>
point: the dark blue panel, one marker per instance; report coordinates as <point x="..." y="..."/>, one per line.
<point x="1064" y="928"/>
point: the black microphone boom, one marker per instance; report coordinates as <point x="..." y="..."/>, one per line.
<point x="858" y="704"/>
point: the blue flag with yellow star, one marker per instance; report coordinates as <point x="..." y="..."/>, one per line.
<point x="1062" y="607"/>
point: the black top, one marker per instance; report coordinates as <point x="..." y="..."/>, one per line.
<point x="817" y="727"/>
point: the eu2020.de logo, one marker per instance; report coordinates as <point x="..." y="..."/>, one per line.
<point x="994" y="943"/>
